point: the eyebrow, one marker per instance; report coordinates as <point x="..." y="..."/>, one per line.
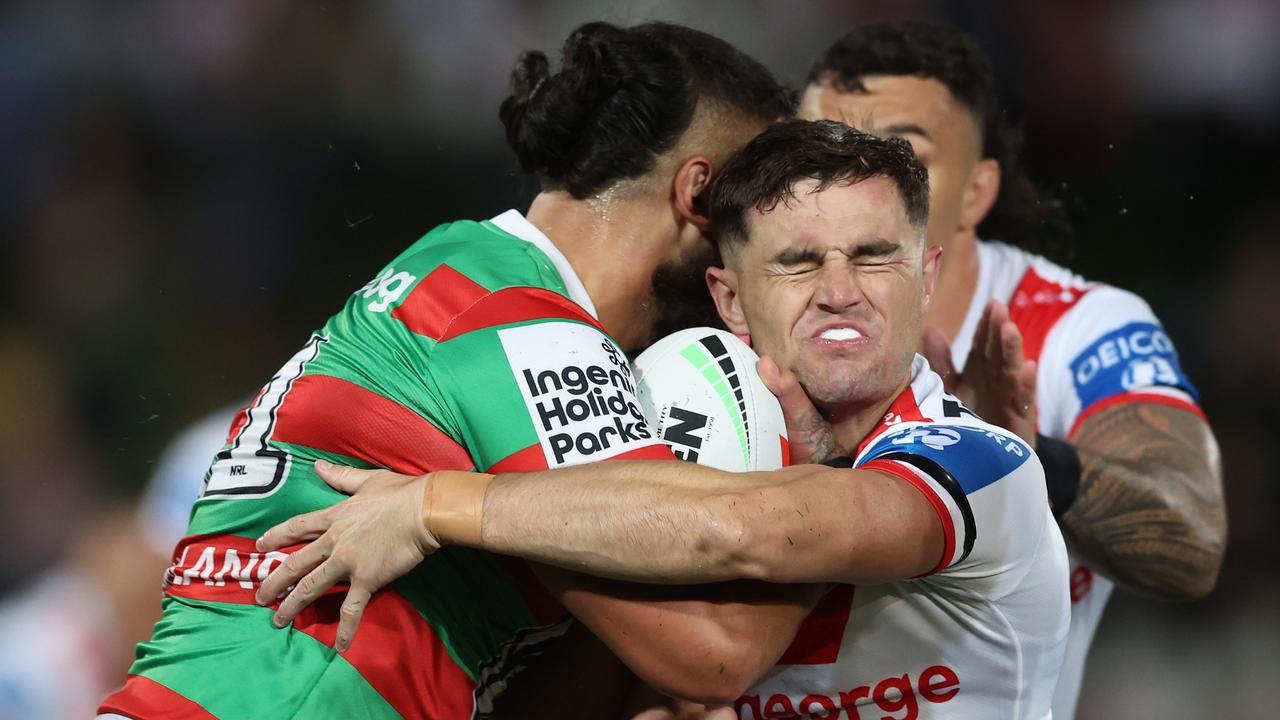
<point x="798" y="256"/>
<point x="905" y="129"/>
<point x="876" y="248"/>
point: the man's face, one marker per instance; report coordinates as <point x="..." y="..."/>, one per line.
<point x="942" y="132"/>
<point x="833" y="287"/>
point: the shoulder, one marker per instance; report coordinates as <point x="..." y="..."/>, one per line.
<point x="971" y="455"/>
<point x="1048" y="296"/>
<point x="482" y="253"/>
<point x="931" y="422"/>
<point x="466" y="276"/>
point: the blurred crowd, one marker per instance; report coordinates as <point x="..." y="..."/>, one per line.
<point x="188" y="189"/>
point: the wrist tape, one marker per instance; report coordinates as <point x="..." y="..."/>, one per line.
<point x="453" y="509"/>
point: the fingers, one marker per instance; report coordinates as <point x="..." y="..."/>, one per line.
<point x="782" y="383"/>
<point x="937" y="351"/>
<point x="342" y="478"/>
<point x="810" y="434"/>
<point x="308" y="590"/>
<point x="294" y="567"/>
<point x="978" y="347"/>
<point x="1026" y="384"/>
<point x="1025" y="393"/>
<point x="349" y="617"/>
<point x="1011" y="354"/>
<point x="997" y="317"/>
<point x="297" y="529"/>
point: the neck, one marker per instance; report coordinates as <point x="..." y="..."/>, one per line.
<point x="957" y="281"/>
<point x="608" y="251"/>
<point x="852" y="426"/>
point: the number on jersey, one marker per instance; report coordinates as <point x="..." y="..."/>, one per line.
<point x="250" y="467"/>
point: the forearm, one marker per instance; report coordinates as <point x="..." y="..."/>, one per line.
<point x="1149" y="512"/>
<point x="705" y="643"/>
<point x="659" y="522"/>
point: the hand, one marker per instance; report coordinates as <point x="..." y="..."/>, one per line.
<point x="998" y="382"/>
<point x="811" y="437"/>
<point x="370" y="539"/>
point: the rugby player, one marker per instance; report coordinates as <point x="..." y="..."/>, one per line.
<point x="940" y="519"/>
<point x="1082" y="371"/>
<point x="427" y="365"/>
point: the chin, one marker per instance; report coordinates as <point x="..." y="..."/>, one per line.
<point x="834" y="392"/>
<point x="838" y="385"/>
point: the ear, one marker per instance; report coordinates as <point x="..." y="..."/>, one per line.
<point x="723" y="285"/>
<point x="932" y="263"/>
<point x="980" y="192"/>
<point x="690" y="191"/>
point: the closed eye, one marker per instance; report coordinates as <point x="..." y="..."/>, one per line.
<point x="878" y="252"/>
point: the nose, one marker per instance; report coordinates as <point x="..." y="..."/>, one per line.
<point x="837" y="287"/>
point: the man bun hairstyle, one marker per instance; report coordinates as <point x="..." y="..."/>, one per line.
<point x="767" y="170"/>
<point x="623" y="96"/>
<point x="1021" y="215"/>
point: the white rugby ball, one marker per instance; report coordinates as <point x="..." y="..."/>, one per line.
<point x="700" y="391"/>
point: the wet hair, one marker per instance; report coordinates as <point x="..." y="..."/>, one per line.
<point x="1022" y="215"/>
<point x="767" y="170"/>
<point x="623" y="96"/>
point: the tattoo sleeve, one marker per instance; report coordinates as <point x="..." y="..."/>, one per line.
<point x="1150" y="512"/>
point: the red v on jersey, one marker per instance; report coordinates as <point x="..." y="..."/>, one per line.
<point x="1036" y="306"/>
<point x="818" y="640"/>
<point x="338" y="416"/>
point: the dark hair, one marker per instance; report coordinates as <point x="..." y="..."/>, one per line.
<point x="1021" y="215"/>
<point x="766" y="171"/>
<point x="622" y="97"/>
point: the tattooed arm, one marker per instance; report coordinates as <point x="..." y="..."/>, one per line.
<point x="1150" y="511"/>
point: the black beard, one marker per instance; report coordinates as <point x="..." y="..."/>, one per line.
<point x="680" y="297"/>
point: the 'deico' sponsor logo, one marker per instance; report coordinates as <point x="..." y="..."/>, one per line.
<point x="1138" y="355"/>
<point x="582" y="410"/>
<point x="936" y="684"/>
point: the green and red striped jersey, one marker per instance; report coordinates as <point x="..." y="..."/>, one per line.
<point x="477" y="348"/>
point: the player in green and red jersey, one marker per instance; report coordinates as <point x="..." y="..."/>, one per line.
<point x="495" y="345"/>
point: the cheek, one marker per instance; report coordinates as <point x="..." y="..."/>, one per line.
<point x="773" y="316"/>
<point x="897" y="299"/>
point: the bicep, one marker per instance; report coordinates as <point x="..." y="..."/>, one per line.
<point x="706" y="643"/>
<point x="1150" y="434"/>
<point x="1152" y="465"/>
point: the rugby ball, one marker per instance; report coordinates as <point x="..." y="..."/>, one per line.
<point x="700" y="391"/>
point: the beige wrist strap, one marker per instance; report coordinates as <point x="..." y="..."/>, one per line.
<point x="454" y="507"/>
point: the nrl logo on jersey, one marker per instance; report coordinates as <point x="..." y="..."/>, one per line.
<point x="582" y="410"/>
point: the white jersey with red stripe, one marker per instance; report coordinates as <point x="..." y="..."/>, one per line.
<point x="982" y="634"/>
<point x="1096" y="346"/>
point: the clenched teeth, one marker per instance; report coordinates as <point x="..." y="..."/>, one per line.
<point x="844" y="333"/>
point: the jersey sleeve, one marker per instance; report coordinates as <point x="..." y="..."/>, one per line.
<point x="1108" y="349"/>
<point x="986" y="486"/>
<point x="530" y="381"/>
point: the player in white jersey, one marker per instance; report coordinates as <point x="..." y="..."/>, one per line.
<point x="982" y="634"/>
<point x="1082" y="371"/>
<point x="952" y="595"/>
